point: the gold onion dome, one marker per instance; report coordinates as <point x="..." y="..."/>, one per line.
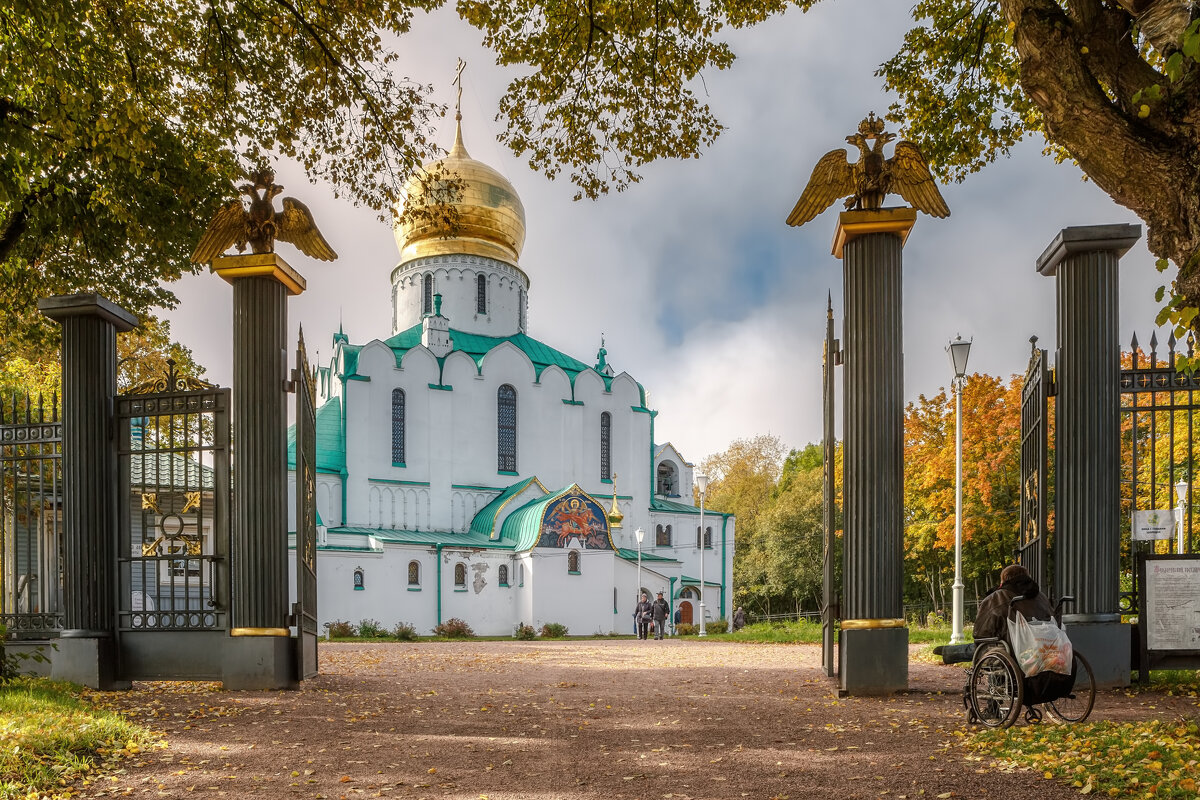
<point x="490" y="217"/>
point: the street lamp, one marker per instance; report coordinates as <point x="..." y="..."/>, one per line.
<point x="1181" y="489"/>
<point x="958" y="350"/>
<point x="640" y="533"/>
<point x="702" y="485"/>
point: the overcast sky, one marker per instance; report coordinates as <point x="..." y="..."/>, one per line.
<point x="702" y="291"/>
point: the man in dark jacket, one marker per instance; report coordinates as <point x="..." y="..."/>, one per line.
<point x="641" y="615"/>
<point x="1017" y="592"/>
<point x="660" y="610"/>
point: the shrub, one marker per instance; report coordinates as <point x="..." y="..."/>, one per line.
<point x="340" y="629"/>
<point x="405" y="632"/>
<point x="554" y="630"/>
<point x="524" y="631"/>
<point x="686" y="629"/>
<point x="371" y="629"/>
<point x="454" y="628"/>
<point x="717" y="626"/>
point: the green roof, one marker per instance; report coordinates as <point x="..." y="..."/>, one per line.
<point x="430" y="538"/>
<point x="670" y="506"/>
<point x="477" y="346"/>
<point x="688" y="580"/>
<point x="523" y="527"/>
<point x="331" y="447"/>
<point x="484" y="523"/>
<point x="632" y="555"/>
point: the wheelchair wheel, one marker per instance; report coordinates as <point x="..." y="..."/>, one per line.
<point x="997" y="689"/>
<point x="1076" y="706"/>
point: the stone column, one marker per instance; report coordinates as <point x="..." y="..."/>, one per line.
<point x="261" y="655"/>
<point x="873" y="648"/>
<point x="1084" y="261"/>
<point x="86" y="653"/>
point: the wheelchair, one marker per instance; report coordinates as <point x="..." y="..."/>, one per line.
<point x="997" y="689"/>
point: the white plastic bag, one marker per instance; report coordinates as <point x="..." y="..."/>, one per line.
<point x="1040" y="646"/>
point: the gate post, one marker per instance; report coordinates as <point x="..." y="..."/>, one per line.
<point x="1084" y="261"/>
<point x="873" y="648"/>
<point x="86" y="651"/>
<point x="261" y="654"/>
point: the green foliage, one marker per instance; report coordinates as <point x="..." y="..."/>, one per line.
<point x="454" y="628"/>
<point x="404" y="632"/>
<point x="803" y="630"/>
<point x="524" y="632"/>
<point x="340" y="629"/>
<point x="553" y="630"/>
<point x="717" y="626"/>
<point x="686" y="629"/>
<point x="52" y="738"/>
<point x="371" y="629"/>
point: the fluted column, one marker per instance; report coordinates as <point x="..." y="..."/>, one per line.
<point x="1084" y="261"/>
<point x="874" y="642"/>
<point x="90" y="324"/>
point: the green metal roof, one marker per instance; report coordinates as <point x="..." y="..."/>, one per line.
<point x="669" y="506"/>
<point x="484" y="523"/>
<point x="331" y="447"/>
<point x="632" y="555"/>
<point x="430" y="538"/>
<point x="523" y="527"/>
<point x="689" y="581"/>
<point x="477" y="346"/>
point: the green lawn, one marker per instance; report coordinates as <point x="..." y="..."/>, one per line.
<point x="50" y="738"/>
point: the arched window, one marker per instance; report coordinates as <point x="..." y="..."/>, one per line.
<point x="668" y="482"/>
<point x="502" y="575"/>
<point x="707" y="537"/>
<point x="506" y="428"/>
<point x="358" y="580"/>
<point x="690" y="592"/>
<point x="520" y="574"/>
<point x="521" y="310"/>
<point x="414" y="573"/>
<point x="460" y="575"/>
<point x="481" y="294"/>
<point x="427" y="293"/>
<point x="397" y="426"/>
<point x="573" y="561"/>
<point x="662" y="536"/>
<point x="606" y="446"/>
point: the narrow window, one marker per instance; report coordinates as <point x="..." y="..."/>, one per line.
<point x="606" y="446"/>
<point x="427" y="293"/>
<point x="666" y="483"/>
<point x="506" y="428"/>
<point x="520" y="574"/>
<point x="358" y="580"/>
<point x="481" y="294"/>
<point x="707" y="537"/>
<point x="397" y="426"/>
<point x="502" y="575"/>
<point x="414" y="573"/>
<point x="573" y="562"/>
<point x="521" y="310"/>
<point x="662" y="536"/>
<point x="460" y="575"/>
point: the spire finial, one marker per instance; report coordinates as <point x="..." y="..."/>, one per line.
<point x="459" y="149"/>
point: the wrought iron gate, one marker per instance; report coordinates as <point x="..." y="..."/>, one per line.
<point x="31" y="542"/>
<point x="1158" y="446"/>
<point x="1035" y="393"/>
<point x="305" y="608"/>
<point x="829" y="598"/>
<point x="173" y="528"/>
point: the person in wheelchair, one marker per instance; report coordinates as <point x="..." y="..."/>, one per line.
<point x="1018" y="591"/>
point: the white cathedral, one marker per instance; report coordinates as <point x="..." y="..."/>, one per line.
<point x="467" y="470"/>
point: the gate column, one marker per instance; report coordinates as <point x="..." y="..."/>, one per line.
<point x="261" y="654"/>
<point x="873" y="651"/>
<point x="86" y="651"/>
<point x="1084" y="262"/>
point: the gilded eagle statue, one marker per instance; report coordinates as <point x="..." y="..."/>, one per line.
<point x="871" y="179"/>
<point x="260" y="225"/>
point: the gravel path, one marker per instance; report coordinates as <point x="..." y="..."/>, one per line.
<point x="589" y="719"/>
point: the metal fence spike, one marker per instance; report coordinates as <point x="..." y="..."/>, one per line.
<point x="1133" y="344"/>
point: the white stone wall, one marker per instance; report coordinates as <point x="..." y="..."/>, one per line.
<point x="455" y="279"/>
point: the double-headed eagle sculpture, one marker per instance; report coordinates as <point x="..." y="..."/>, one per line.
<point x="260" y="225"/>
<point x="871" y="179"/>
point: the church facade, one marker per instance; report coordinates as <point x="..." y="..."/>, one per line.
<point x="467" y="470"/>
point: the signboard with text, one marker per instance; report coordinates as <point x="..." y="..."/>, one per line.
<point x="1169" y="622"/>
<point x="1158" y="523"/>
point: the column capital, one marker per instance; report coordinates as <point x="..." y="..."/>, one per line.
<point x="1087" y="239"/>
<point x="853" y="224"/>
<point x="260" y="265"/>
<point x="61" y="306"/>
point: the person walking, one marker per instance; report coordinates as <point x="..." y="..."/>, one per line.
<point x="659" y="609"/>
<point x="739" y="619"/>
<point x="642" y="615"/>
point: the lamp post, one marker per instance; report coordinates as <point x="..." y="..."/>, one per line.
<point x="1180" y="494"/>
<point x="640" y="533"/>
<point x="702" y="485"/>
<point x="958" y="350"/>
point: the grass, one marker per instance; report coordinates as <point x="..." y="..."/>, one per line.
<point x="1157" y="758"/>
<point x="50" y="738"/>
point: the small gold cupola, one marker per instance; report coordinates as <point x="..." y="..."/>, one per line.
<point x="614" y="514"/>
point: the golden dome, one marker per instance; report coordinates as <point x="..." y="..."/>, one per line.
<point x="491" y="219"/>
